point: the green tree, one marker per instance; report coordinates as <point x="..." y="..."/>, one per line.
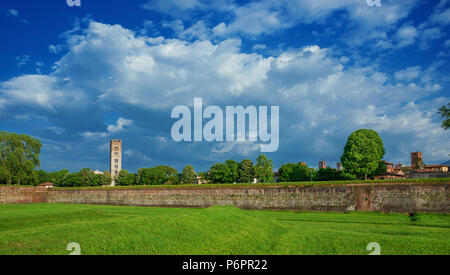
<point x="42" y="176"/>
<point x="73" y="180"/>
<point x="362" y="153"/>
<point x="59" y="178"/>
<point x="172" y="176"/>
<point x="106" y="178"/>
<point x="19" y="155"/>
<point x="188" y="176"/>
<point x="233" y="173"/>
<point x="286" y="172"/>
<point x="444" y="111"/>
<point x="219" y="173"/>
<point x="246" y="171"/>
<point x="263" y="169"/>
<point x="328" y="174"/>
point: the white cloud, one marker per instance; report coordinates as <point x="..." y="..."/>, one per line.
<point x="13" y="12"/>
<point x="315" y="91"/>
<point x="408" y="74"/>
<point x="120" y="124"/>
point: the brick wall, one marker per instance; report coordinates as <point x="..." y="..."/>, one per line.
<point x="12" y="194"/>
<point x="384" y="198"/>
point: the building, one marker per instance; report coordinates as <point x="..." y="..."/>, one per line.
<point x="303" y="163"/>
<point x="47" y="185"/>
<point x="437" y="168"/>
<point x="115" y="157"/>
<point x="322" y="164"/>
<point x="416" y="158"/>
<point x="389" y="166"/>
<point x="97" y="172"/>
<point x="389" y="176"/>
<point x="339" y="166"/>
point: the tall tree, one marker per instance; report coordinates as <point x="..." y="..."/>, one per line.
<point x="219" y="173"/>
<point x="188" y="175"/>
<point x="246" y="171"/>
<point x="233" y="173"/>
<point x="444" y="111"/>
<point x="362" y="153"/>
<point x="263" y="169"/>
<point x="19" y="155"/>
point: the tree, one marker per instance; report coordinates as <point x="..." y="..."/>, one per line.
<point x="263" y="169"/>
<point x="233" y="173"/>
<point x="219" y="173"/>
<point x="328" y="174"/>
<point x="444" y="111"/>
<point x="291" y="172"/>
<point x="171" y="174"/>
<point x="122" y="178"/>
<point x="362" y="153"/>
<point x="73" y="180"/>
<point x="285" y="172"/>
<point x="188" y="175"/>
<point x="60" y="177"/>
<point x="19" y="155"/>
<point x="106" y="178"/>
<point x="246" y="171"/>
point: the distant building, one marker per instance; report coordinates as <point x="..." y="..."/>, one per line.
<point x="47" y="185"/>
<point x="322" y="164"/>
<point x="416" y="158"/>
<point x="339" y="166"/>
<point x="97" y="172"/>
<point x="303" y="163"/>
<point x="389" y="176"/>
<point x="115" y="157"/>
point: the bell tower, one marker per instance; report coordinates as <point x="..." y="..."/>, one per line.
<point x="115" y="146"/>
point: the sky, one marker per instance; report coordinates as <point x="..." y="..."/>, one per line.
<point x="77" y="76"/>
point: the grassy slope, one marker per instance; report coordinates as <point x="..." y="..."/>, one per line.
<point x="48" y="228"/>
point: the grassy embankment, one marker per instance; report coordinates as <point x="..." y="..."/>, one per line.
<point x="48" y="228"/>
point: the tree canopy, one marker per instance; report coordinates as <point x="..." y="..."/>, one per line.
<point x="362" y="153"/>
<point x="188" y="175"/>
<point x="19" y="156"/>
<point x="444" y="111"/>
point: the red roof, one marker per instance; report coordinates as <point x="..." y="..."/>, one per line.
<point x="47" y="184"/>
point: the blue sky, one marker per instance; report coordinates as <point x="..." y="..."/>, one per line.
<point x="75" y="77"/>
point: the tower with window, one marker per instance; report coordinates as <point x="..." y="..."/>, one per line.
<point x="115" y="157"/>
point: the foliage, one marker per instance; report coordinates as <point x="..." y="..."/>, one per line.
<point x="444" y="111"/>
<point x="263" y="169"/>
<point x="188" y="175"/>
<point x="362" y="153"/>
<point x="19" y="156"/>
<point x="246" y="171"/>
<point x="126" y="179"/>
<point x="331" y="174"/>
<point x="291" y="172"/>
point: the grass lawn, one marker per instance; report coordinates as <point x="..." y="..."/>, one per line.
<point x="48" y="228"/>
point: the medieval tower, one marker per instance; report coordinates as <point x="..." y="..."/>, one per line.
<point x="115" y="146"/>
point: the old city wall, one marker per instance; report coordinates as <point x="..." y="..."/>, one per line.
<point x="361" y="197"/>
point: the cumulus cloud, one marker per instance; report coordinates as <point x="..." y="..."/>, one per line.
<point x="108" y="68"/>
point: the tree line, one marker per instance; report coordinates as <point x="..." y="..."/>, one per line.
<point x="361" y="159"/>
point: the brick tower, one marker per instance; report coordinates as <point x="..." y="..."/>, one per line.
<point x="115" y="146"/>
<point x="416" y="158"/>
<point x="322" y="164"/>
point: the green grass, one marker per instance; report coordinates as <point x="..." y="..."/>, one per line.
<point x="48" y="228"/>
<point x="262" y="185"/>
